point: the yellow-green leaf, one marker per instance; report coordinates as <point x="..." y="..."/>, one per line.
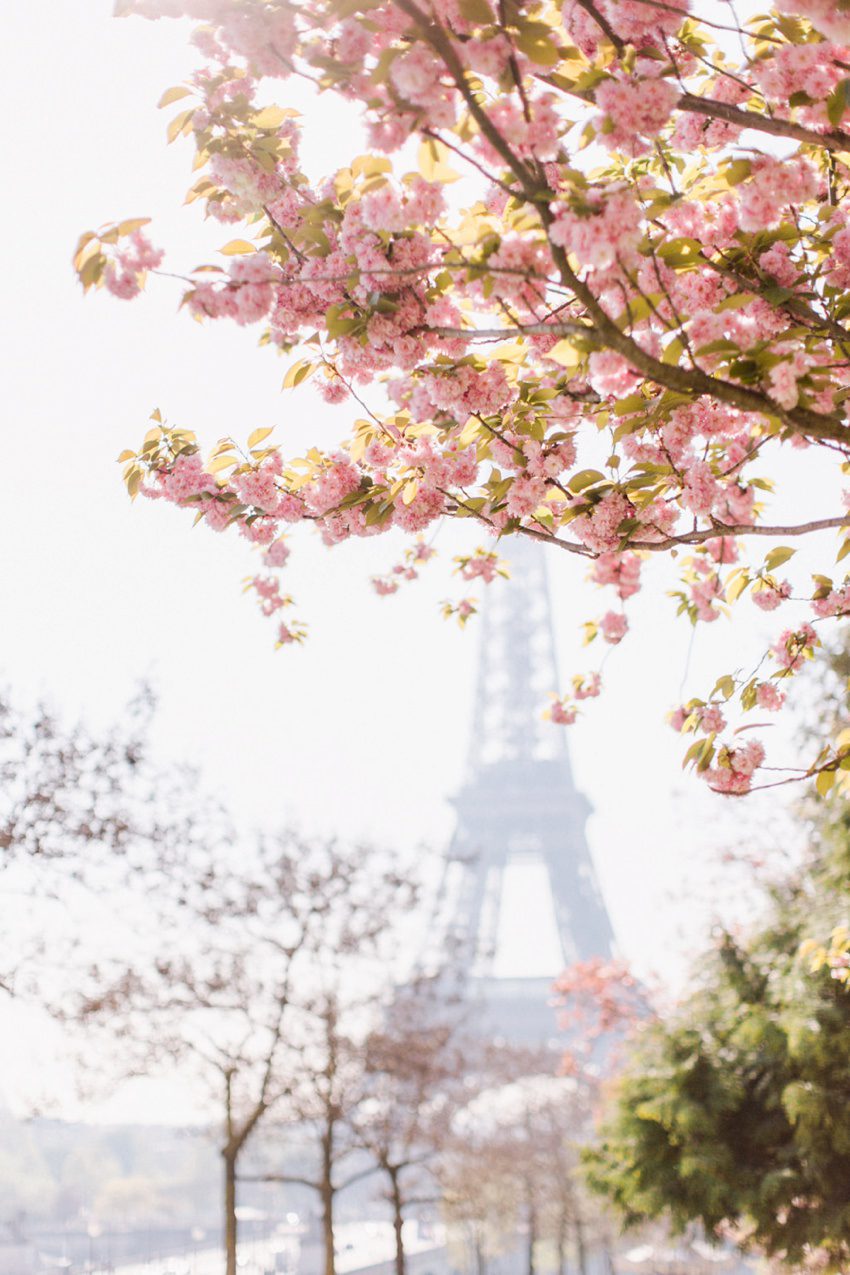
<point x="173" y="95"/>
<point x="432" y="162"/>
<point x="736" y="585"/>
<point x="824" y="782"/>
<point x="537" y="47"/>
<point x="132" y="223"/>
<point x="179" y="123"/>
<point x="257" y="437"/>
<point x="269" y="117"/>
<point x="370" y="165"/>
<point x="298" y="373"/>
<point x="585" y="478"/>
<point x="237" y="248"/>
<point x="777" y="557"/>
<point x="476" y="11"/>
<point x="565" y="353"/>
<point x="222" y="462"/>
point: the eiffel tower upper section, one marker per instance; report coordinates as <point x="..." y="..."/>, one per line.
<point x="519" y="806"/>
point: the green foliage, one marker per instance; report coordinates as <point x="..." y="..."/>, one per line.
<point x="735" y="1112"/>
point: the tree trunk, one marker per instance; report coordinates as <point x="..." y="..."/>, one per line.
<point x="562" y="1242"/>
<point x="532" y="1237"/>
<point x="328" y="1230"/>
<point x="480" y="1266"/>
<point x="398" y="1223"/>
<point x="230" y="1214"/>
<point x="327" y="1194"/>
<point x="581" y="1252"/>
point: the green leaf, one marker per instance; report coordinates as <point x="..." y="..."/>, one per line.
<point x="131" y="224"/>
<point x="673" y="351"/>
<point x="724" y="686"/>
<point x="476" y="11"/>
<point x="585" y="478"/>
<point x="824" y="782"/>
<point x="737" y="171"/>
<point x="838" y="102"/>
<point x="536" y="46"/>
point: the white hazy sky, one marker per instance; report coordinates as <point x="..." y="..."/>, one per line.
<point x="363" y="731"/>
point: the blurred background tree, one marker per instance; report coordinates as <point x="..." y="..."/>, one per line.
<point x="734" y="1110"/>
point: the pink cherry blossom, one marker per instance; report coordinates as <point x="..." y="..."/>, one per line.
<point x="277" y="554"/>
<point x="622" y="570"/>
<point x="562" y="714"/>
<point x="769" y="596"/>
<point x="793" y="645"/>
<point x="769" y="696"/>
<point x="613" y="626"/>
<point x="588" y="686"/>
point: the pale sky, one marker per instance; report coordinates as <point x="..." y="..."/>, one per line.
<point x="364" y="730"/>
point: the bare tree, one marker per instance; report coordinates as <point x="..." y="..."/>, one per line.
<point x="510" y="1174"/>
<point x="417" y="1063"/>
<point x="356" y="964"/>
<point x="219" y="992"/>
<point x="83" y="815"/>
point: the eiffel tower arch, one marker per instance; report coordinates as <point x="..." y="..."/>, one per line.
<point x="519" y="895"/>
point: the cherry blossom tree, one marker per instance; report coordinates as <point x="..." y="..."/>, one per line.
<point x="629" y="310"/>
<point x="600" y="1002"/>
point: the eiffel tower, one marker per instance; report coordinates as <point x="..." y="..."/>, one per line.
<point x="519" y="893"/>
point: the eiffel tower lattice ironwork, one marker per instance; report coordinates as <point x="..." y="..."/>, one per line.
<point x="519" y="860"/>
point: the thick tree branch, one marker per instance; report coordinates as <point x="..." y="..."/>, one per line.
<point x="834" y="140"/>
<point x="799" y="420"/>
<point x="505" y="334"/>
<point x="715" y="532"/>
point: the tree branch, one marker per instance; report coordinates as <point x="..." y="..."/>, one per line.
<point x="835" y="140"/>
<point x="281" y="1177"/>
<point x="714" y="532"/>
<point x="799" y="420"/>
<point x="743" y="529"/>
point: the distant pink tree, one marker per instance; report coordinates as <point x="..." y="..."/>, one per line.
<point x="598" y="1001"/>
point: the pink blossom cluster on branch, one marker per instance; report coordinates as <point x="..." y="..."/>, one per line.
<point x="637" y="300"/>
